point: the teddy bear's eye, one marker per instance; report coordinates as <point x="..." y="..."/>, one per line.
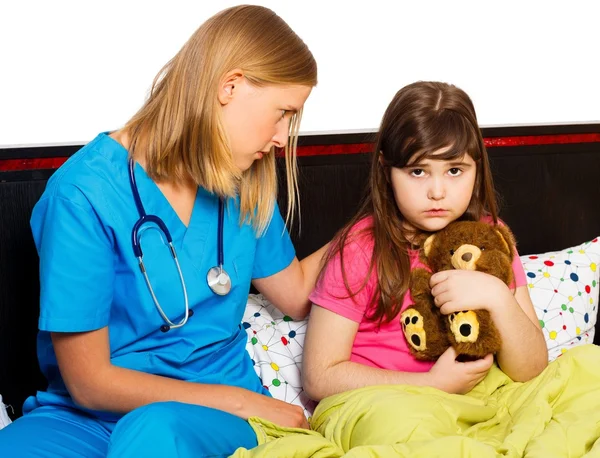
<point x="482" y="248"/>
<point x="451" y="252"/>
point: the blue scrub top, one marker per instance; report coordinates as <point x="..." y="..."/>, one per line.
<point x="90" y="277"/>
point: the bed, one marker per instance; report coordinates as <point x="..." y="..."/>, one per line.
<point x="547" y="176"/>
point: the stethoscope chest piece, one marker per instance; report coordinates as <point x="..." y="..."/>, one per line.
<point x="218" y="281"/>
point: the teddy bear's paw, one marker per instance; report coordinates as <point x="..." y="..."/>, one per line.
<point x="464" y="326"/>
<point x="412" y="325"/>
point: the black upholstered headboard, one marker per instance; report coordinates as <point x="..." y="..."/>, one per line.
<point x="547" y="176"/>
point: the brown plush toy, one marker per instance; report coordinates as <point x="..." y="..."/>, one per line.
<point x="460" y="245"/>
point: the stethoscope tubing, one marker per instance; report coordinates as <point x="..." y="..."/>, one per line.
<point x="162" y="227"/>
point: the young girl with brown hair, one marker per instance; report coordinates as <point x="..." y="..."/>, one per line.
<point x="430" y="168"/>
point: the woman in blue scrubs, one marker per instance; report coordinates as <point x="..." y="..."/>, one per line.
<point x="151" y="361"/>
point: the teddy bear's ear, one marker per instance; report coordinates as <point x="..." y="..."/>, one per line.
<point x="508" y="240"/>
<point x="427" y="245"/>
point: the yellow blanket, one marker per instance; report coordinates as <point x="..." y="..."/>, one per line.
<point x="555" y="415"/>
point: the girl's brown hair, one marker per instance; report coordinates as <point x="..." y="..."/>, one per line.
<point x="179" y="129"/>
<point x="422" y="118"/>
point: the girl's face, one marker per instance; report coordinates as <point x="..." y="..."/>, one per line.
<point x="257" y="118"/>
<point x="433" y="193"/>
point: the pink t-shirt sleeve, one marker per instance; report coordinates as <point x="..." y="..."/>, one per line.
<point x="331" y="293"/>
<point x="517" y="266"/>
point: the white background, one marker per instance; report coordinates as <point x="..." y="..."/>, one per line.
<point x="69" y="69"/>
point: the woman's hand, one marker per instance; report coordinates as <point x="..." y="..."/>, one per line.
<point x="279" y="412"/>
<point x="457" y="290"/>
<point x="456" y="377"/>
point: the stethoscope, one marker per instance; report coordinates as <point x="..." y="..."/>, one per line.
<point x="217" y="278"/>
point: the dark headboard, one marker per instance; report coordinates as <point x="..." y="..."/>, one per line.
<point x="547" y="176"/>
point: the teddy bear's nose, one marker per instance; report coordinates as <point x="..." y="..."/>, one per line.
<point x="466" y="257"/>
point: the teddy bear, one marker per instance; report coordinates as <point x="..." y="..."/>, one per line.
<point x="469" y="245"/>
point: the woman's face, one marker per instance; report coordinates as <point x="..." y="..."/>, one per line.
<point x="258" y="118"/>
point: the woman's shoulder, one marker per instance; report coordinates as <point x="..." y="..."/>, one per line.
<point x="89" y="171"/>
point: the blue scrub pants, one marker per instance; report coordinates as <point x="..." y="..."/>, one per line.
<point x="165" y="429"/>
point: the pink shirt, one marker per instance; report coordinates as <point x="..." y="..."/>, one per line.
<point x="379" y="346"/>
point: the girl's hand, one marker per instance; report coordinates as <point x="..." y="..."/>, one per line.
<point x="455" y="377"/>
<point x="279" y="412"/>
<point x="457" y="290"/>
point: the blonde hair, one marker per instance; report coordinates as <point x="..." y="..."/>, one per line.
<point x="179" y="128"/>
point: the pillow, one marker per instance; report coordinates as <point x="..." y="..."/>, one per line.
<point x="563" y="286"/>
<point x="275" y="344"/>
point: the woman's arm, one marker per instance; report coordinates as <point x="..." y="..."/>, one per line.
<point x="288" y="289"/>
<point x="327" y="368"/>
<point x="94" y="383"/>
<point x="523" y="354"/>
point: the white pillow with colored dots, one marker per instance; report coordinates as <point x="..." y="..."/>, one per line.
<point x="564" y="289"/>
<point x="275" y="344"/>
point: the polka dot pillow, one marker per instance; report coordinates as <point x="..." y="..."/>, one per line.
<point x="275" y="344"/>
<point x="563" y="286"/>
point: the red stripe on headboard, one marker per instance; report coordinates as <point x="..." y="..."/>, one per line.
<point x="530" y="140"/>
<point x="328" y="150"/>
<point x="490" y="142"/>
<point x="7" y="165"/>
<point x="14" y="165"/>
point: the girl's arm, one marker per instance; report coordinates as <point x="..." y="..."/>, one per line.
<point x="288" y="289"/>
<point x="524" y="353"/>
<point x="327" y="368"/>
<point x="94" y="383"/>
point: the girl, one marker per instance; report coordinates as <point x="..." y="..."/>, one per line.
<point x="127" y="323"/>
<point x="431" y="168"/>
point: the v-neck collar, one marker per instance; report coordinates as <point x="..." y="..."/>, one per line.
<point x="155" y="202"/>
<point x="205" y="211"/>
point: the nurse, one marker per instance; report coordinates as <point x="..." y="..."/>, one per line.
<point x="142" y="345"/>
